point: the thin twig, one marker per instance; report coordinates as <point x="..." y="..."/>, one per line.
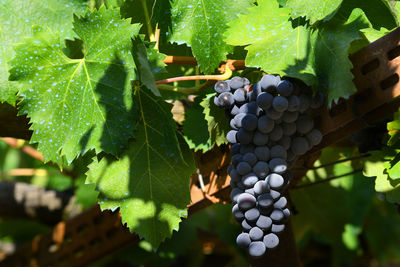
<point x="226" y="75"/>
<point x="327" y="179"/>
<point x="334" y="162"/>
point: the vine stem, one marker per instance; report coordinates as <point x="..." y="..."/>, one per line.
<point x="185" y="90"/>
<point x="148" y="24"/>
<point x="224" y="76"/>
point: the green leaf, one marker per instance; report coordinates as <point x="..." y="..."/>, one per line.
<point x="201" y="24"/>
<point x="195" y="127"/>
<point x="319" y="58"/>
<point x="150" y="183"/>
<point x="218" y="125"/>
<point x="332" y="64"/>
<point x="313" y="9"/>
<point x="274" y="45"/>
<point x="145" y="70"/>
<point x="76" y="105"/>
<point x="372" y="35"/>
<point x="16" y="20"/>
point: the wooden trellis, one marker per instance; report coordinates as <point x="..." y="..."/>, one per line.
<point x="94" y="234"/>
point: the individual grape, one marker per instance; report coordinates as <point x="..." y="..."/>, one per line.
<point x="236" y="159"/>
<point x="261" y="187"/>
<point x="246" y="201"/>
<point x="235" y="176"/>
<point x="256" y="233"/>
<point x="237" y="213"/>
<point x="230" y="168"/>
<point x="265" y="200"/>
<point x="249" y="180"/>
<point x="243" y="240"/>
<point x="261" y="169"/>
<point x="233" y="125"/>
<point x="278" y="151"/>
<point x="314" y="137"/>
<point x="293" y="103"/>
<point x="235" y="193"/>
<point x="276" y="133"/>
<point x="250" y="158"/>
<point x="252" y="215"/>
<point x="277" y="165"/>
<point x="273" y="114"/>
<point x="285" y="140"/>
<point x="236" y="82"/>
<point x="250" y="191"/>
<point x="264" y="222"/>
<point x="235" y="149"/>
<point x="277" y="215"/>
<point x="255" y="92"/>
<point x="274" y="194"/>
<point x="305" y="102"/>
<point x="238" y="119"/>
<point x="244" y="137"/>
<point x="264" y="100"/>
<point x="240" y="96"/>
<point x="216" y="101"/>
<point x="304" y="124"/>
<point x="231" y="136"/>
<point x="290" y="117"/>
<point x="232" y="183"/>
<point x="284" y="88"/>
<point x="221" y="87"/>
<point x="265" y="124"/>
<point x="246" y="226"/>
<point x="317" y="100"/>
<point x="249" y="122"/>
<point x="243" y="168"/>
<point x="240" y="185"/>
<point x="277" y="228"/>
<point x="280" y="103"/>
<point x="269" y="82"/>
<point x="246" y="148"/>
<point x="281" y="203"/>
<point x="246" y="81"/>
<point x="235" y="110"/>
<point x="300" y="145"/>
<point x="260" y="139"/>
<point x="226" y="99"/>
<point x="286" y="213"/>
<point x="289" y="128"/>
<point x="271" y="240"/>
<point x="275" y="181"/>
<point x="257" y="249"/>
<point x="262" y="153"/>
<point x="249" y="108"/>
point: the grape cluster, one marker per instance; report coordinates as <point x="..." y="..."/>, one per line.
<point x="270" y="129"/>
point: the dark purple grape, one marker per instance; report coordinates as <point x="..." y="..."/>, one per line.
<point x="221" y="87"/>
<point x="262" y="153"/>
<point x="243" y="240"/>
<point x="246" y="201"/>
<point x="271" y="240"/>
<point x="264" y="100"/>
<point x="252" y="215"/>
<point x="231" y="136"/>
<point x="257" y="249"/>
<point x="264" y="222"/>
<point x="256" y="233"/>
<point x="284" y="88"/>
<point x="244" y="137"/>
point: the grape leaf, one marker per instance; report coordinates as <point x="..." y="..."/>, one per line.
<point x="195" y="127"/>
<point x="150" y="183"/>
<point x="201" y="25"/>
<point x="372" y="35"/>
<point x="332" y="65"/>
<point x="273" y="44"/>
<point x="318" y="58"/>
<point x="79" y="104"/>
<point x="145" y="70"/>
<point x="16" y="20"/>
<point x="314" y="10"/>
<point x="218" y="125"/>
